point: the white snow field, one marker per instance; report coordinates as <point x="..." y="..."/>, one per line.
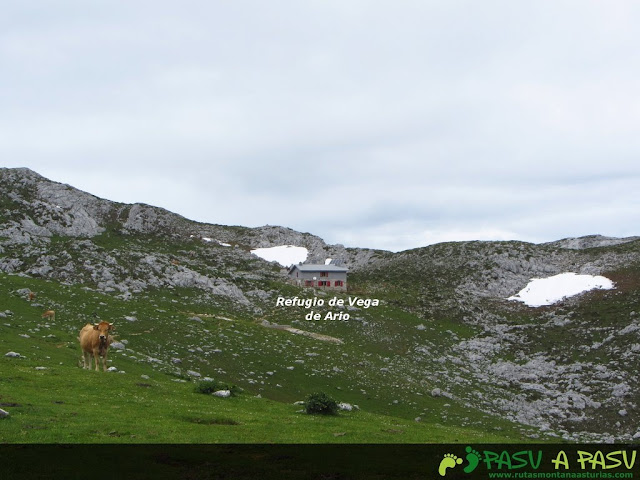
<point x="285" y="255"/>
<point x="547" y="291"/>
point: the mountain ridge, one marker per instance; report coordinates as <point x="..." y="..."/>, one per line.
<point x="68" y="197"/>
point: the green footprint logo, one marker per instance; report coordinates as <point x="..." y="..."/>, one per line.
<point x="449" y="461"/>
<point x="473" y="457"/>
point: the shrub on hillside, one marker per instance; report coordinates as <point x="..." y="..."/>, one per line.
<point x="207" y="387"/>
<point x="321" y="403"/>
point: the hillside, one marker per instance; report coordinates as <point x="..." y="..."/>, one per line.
<point x="443" y="357"/>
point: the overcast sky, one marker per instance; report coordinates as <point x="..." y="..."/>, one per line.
<point x="390" y="124"/>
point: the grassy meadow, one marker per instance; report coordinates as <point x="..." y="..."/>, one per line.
<point x="152" y="399"/>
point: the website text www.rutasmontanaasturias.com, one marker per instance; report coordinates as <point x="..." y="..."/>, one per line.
<point x="560" y="475"/>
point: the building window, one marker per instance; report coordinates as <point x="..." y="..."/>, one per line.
<point x="324" y="284"/>
<point x="339" y="283"/>
<point x="324" y="274"/>
<point x="308" y="283"/>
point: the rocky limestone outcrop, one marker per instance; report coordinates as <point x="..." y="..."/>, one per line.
<point x="590" y="241"/>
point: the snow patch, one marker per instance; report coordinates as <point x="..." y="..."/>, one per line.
<point x="285" y="255"/>
<point x="547" y="291"/>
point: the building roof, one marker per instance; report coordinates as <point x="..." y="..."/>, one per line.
<point x="312" y="267"/>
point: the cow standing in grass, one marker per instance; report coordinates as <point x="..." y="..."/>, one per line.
<point x="94" y="339"/>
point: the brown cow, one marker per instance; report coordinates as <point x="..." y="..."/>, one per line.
<point x="50" y="314"/>
<point x="94" y="339"/>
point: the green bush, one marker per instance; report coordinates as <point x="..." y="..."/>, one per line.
<point x="321" y="403"/>
<point x="207" y="387"/>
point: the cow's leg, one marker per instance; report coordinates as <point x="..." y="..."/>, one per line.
<point x="104" y="362"/>
<point x="86" y="360"/>
<point x="96" y="355"/>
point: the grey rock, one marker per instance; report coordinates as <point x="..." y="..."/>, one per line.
<point x="621" y="390"/>
<point x="13" y="355"/>
<point x="592" y="241"/>
<point x="187" y="278"/>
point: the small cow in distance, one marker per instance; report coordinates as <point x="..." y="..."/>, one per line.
<point x="51" y="314"/>
<point x="94" y="339"/>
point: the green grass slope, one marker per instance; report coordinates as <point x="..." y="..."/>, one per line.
<point x="51" y="399"/>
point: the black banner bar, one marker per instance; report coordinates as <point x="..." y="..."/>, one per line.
<point x="322" y="462"/>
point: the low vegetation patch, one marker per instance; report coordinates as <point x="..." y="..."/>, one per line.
<point x="321" y="403"/>
<point x="207" y="387"/>
<point x="212" y="421"/>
